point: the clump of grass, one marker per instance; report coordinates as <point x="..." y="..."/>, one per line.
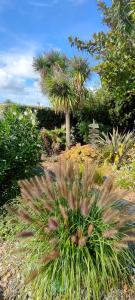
<point x="77" y="235"/>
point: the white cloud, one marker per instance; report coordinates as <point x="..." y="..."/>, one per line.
<point x="18" y="81"/>
<point x="17" y="64"/>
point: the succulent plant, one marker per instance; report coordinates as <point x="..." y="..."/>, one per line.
<point x="78" y="234"/>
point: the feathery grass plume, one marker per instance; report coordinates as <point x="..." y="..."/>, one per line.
<point x="63" y="212"/>
<point x="53" y="223"/>
<point x="26" y="234"/>
<point x="110" y="233"/>
<point x="47" y="206"/>
<point x="84" y="206"/>
<point x="90" y="229"/>
<point x="47" y="258"/>
<point x="80" y="242"/>
<point x="23" y="215"/>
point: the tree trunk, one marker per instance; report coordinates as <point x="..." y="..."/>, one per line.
<point x="67" y="130"/>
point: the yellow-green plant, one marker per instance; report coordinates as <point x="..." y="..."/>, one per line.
<point x="126" y="176"/>
<point x="78" y="235"/>
<point x="80" y="154"/>
<point x="116" y="146"/>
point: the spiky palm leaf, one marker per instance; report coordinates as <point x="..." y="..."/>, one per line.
<point x="117" y="145"/>
<point x="60" y="90"/>
<point x="80" y="71"/>
<point x="44" y="64"/>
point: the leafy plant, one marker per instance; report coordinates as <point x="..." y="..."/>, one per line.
<point x="54" y="140"/>
<point x="78" y="235"/>
<point x="20" y="149"/>
<point x="80" y="154"/>
<point x="83" y="129"/>
<point x="114" y="52"/>
<point x="126" y="176"/>
<point x="116" y="146"/>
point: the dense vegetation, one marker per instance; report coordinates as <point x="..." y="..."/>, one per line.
<point x="78" y="234"/>
<point x="63" y="80"/>
<point x="75" y="223"/>
<point x="20" y="150"/>
<point x="114" y="52"/>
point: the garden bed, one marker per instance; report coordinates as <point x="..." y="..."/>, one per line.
<point x="12" y="279"/>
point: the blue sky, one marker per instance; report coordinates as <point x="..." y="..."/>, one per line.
<point x="31" y="27"/>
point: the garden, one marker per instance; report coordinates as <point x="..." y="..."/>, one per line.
<point x="67" y="174"/>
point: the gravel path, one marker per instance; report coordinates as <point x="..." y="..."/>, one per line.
<point x="11" y="279"/>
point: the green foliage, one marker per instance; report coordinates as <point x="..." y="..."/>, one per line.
<point x="43" y="64"/>
<point x="8" y="227"/>
<point x="94" y="107"/>
<point x="62" y="79"/>
<point x="83" y="130"/>
<point x="125" y="177"/>
<point x="114" y="51"/>
<point x="46" y="117"/>
<point x="116" y="146"/>
<point x="54" y="140"/>
<point x="20" y="149"/>
<point x="77" y="234"/>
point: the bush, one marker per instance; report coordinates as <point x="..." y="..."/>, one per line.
<point x="78" y="235"/>
<point x="47" y="118"/>
<point x="20" y="149"/>
<point x="126" y="177"/>
<point x="80" y="154"/>
<point x="54" y="140"/>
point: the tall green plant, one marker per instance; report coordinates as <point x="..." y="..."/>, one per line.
<point x="20" y="149"/>
<point x="114" y="52"/>
<point x="79" y="235"/>
<point x="63" y="80"/>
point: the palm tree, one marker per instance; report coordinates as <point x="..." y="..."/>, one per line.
<point x="80" y="72"/>
<point x="63" y="81"/>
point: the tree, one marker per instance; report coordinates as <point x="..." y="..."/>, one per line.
<point x="63" y="80"/>
<point x="114" y="51"/>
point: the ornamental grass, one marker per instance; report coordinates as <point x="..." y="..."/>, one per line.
<point x="76" y="233"/>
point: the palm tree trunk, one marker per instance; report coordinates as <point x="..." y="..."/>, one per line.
<point x="67" y="129"/>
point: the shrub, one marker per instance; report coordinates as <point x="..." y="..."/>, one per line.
<point x="80" y="154"/>
<point x="54" y="140"/>
<point x="46" y="116"/>
<point x="20" y="150"/>
<point x="126" y="176"/>
<point x="78" y="236"/>
<point x="116" y="146"/>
